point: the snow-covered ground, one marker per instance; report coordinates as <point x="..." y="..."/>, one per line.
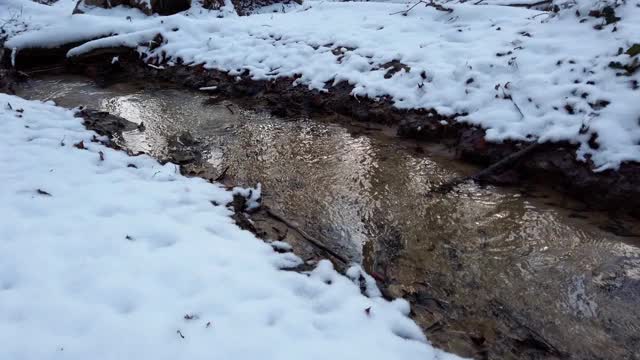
<point x="519" y="73"/>
<point x="107" y="256"/>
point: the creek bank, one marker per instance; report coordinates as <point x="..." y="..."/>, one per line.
<point x="467" y="302"/>
<point x="187" y="152"/>
<point x="552" y="164"/>
<point x="438" y="318"/>
<point x="443" y="321"/>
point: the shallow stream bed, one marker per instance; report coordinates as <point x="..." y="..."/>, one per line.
<point x="491" y="272"/>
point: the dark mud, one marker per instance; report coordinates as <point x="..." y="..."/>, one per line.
<point x="508" y="273"/>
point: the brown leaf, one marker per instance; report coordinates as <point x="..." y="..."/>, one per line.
<point x="190" y="317"/>
<point x="42" y="192"/>
<point x="80" y="145"/>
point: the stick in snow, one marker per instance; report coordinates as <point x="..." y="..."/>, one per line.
<point x="426" y="4"/>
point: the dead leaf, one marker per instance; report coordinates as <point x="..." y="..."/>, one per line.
<point x="190" y="317"/>
<point x="42" y="192"/>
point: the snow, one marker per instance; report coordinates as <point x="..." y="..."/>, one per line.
<point x="253" y="196"/>
<point x="108" y="256"/>
<point x="281" y="246"/>
<point x="519" y="73"/>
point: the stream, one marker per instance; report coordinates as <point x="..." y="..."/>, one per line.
<point x="492" y="272"/>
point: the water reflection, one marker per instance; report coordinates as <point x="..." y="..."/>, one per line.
<point x="368" y="197"/>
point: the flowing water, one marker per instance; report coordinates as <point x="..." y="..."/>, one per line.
<point x="492" y="272"/>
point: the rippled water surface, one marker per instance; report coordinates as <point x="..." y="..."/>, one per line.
<point x="487" y="263"/>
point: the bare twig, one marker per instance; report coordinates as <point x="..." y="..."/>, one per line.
<point x="494" y="168"/>
<point x="311" y="240"/>
<point x="222" y="175"/>
<point x="498" y="305"/>
<point x="542" y="13"/>
<point x="517" y="107"/>
<point x="430" y="3"/>
<point x="405" y="12"/>
<point x="506" y="162"/>
<point x="529" y="5"/>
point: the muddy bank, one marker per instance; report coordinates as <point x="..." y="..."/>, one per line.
<point x="472" y="294"/>
<point x="554" y="164"/>
<point x="492" y="272"/>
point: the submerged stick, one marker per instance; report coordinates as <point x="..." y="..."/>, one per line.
<point x="494" y="168"/>
<point x="505" y="162"/>
<point x="304" y="235"/>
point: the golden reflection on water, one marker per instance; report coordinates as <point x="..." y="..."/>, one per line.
<point x="368" y="196"/>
